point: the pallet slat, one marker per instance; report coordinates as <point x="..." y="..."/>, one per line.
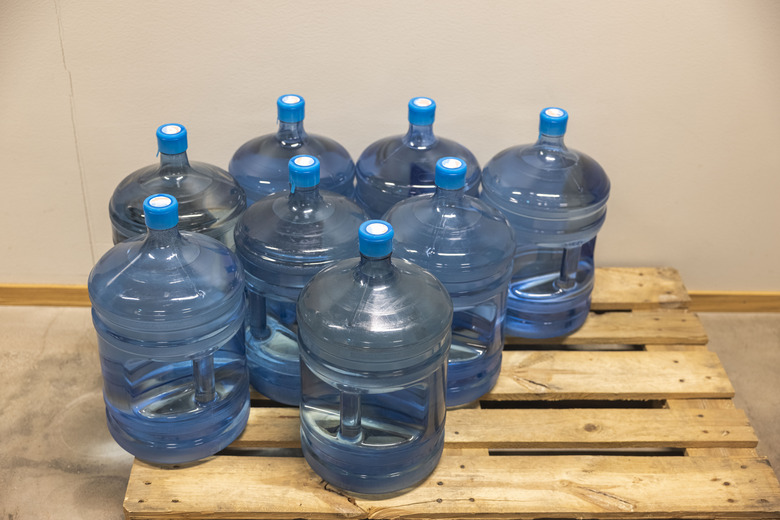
<point x="630" y="328"/>
<point x="627" y="288"/>
<point x="545" y="429"/>
<point x="507" y="487"/>
<point x="703" y="404"/>
<point x="634" y="375"/>
<point x="584" y="375"/>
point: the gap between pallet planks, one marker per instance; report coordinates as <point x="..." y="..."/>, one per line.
<point x="502" y="463"/>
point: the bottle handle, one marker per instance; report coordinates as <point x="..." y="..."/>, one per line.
<point x="203" y="374"/>
<point x="256" y="315"/>
<point x="350" y="429"/>
<point x="569" y="264"/>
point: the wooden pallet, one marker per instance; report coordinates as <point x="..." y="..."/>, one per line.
<point x="630" y="417"/>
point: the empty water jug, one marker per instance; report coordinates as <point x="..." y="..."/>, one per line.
<point x="168" y="308"/>
<point x="283" y="240"/>
<point x="210" y="200"/>
<point x="374" y="334"/>
<point x="260" y="165"/>
<point x="398" y="167"/>
<point x="469" y="247"/>
<point x="555" y="199"/>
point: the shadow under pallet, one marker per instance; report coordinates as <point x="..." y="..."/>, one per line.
<point x="630" y="417"/>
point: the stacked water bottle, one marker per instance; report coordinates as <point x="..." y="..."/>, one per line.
<point x="273" y="274"/>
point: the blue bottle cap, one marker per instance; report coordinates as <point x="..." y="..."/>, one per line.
<point x="171" y="139"/>
<point x="304" y="172"/>
<point x="290" y="108"/>
<point x="552" y="121"/>
<point x="161" y="211"/>
<point x="450" y="173"/>
<point x="422" y="111"/>
<point x="375" y="238"/>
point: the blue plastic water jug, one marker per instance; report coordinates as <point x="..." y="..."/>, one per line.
<point x="210" y="200"/>
<point x="374" y="335"/>
<point x="260" y="165"/>
<point x="469" y="247"/>
<point x="555" y="199"/>
<point x="283" y="240"/>
<point x="402" y="166"/>
<point x="168" y="308"/>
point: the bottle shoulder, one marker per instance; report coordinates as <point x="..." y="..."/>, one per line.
<point x="409" y="298"/>
<point x="188" y="277"/>
<point x="388" y="331"/>
<point x="190" y="180"/>
<point x="274" y="229"/>
<point x="208" y="196"/>
<point x="388" y="147"/>
<point x="261" y="166"/>
<point x="528" y="175"/>
<point x="269" y="146"/>
<point x="391" y="160"/>
<point x="468" y="235"/>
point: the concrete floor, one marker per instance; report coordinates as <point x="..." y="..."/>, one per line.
<point x="57" y="459"/>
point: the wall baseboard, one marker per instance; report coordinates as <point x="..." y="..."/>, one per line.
<point x="44" y="295"/>
<point x="701" y="301"/>
<point x="734" y="301"/>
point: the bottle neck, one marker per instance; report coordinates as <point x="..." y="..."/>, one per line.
<point x="552" y="142"/>
<point x="159" y="240"/>
<point x="173" y="163"/>
<point x="291" y="135"/>
<point x="420" y="137"/>
<point x="376" y="270"/>
<point x="304" y="199"/>
<point x="444" y="198"/>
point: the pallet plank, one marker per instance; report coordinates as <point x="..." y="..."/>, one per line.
<point x="634" y="375"/>
<point x="710" y="404"/>
<point x="464" y="486"/>
<point x="546" y="428"/>
<point x="627" y="288"/>
<point x="703" y="404"/>
<point x="632" y="328"/>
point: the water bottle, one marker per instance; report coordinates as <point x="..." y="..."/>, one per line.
<point x="555" y="199"/>
<point x="374" y="336"/>
<point x="283" y="240"/>
<point x="210" y="200"/>
<point x="398" y="167"/>
<point x="260" y="165"/>
<point x="469" y="247"/>
<point x="168" y="308"/>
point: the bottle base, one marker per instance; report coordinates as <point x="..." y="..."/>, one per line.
<point x="282" y="388"/>
<point x="466" y="382"/>
<point x="277" y="378"/>
<point x="179" y="441"/>
<point x="371" y="471"/>
<point x="542" y="320"/>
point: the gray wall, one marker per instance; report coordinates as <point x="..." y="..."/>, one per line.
<point x="679" y="101"/>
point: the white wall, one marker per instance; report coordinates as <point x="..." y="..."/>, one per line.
<point x="679" y="101"/>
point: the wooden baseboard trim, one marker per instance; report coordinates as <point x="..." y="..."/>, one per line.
<point x="44" y="295"/>
<point x="734" y="301"/>
<point x="701" y="301"/>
